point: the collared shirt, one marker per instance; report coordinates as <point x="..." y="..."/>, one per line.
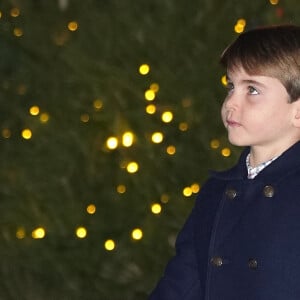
<point x="254" y="171"/>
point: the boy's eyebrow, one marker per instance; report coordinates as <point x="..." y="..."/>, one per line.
<point x="247" y="81"/>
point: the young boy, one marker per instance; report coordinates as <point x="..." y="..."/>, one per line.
<point x="242" y="239"/>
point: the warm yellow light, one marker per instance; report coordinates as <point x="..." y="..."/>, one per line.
<point x="171" y="150"/>
<point x="183" y="126"/>
<point x="132" y="167"/>
<point x="274" y="2"/>
<point x="6" y="133"/>
<point x="224" y="80"/>
<point x="26" y="134"/>
<point x="81" y="232"/>
<point x="214" y="144"/>
<point x="154" y="87"/>
<point x="195" y="188"/>
<point x="150" y="95"/>
<point x="98" y="104"/>
<point x="0" y="14"/>
<point x="109" y="245"/>
<point x="44" y="118"/>
<point x="241" y="22"/>
<point x="112" y="143"/>
<point x="121" y="188"/>
<point x="127" y="139"/>
<point x="137" y="234"/>
<point x="156" y="208"/>
<point x="38" y="233"/>
<point x="15" y="12"/>
<point x="73" y="26"/>
<point x="164" y="198"/>
<point x="225" y="152"/>
<point x="18" y="32"/>
<point x="34" y="110"/>
<point x="144" y="69"/>
<point x="157" y="137"/>
<point x="167" y="116"/>
<point x="240" y="25"/>
<point x="20" y="233"/>
<point x="91" y="209"/>
<point x="187" y="191"/>
<point x="150" y="109"/>
<point x="84" y="118"/>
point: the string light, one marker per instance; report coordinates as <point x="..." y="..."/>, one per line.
<point x="109" y="245"/>
<point x="73" y="26"/>
<point x="15" y="12"/>
<point x="195" y="188"/>
<point x="171" y="150"/>
<point x="274" y="2"/>
<point x="187" y="191"/>
<point x="240" y="25"/>
<point x="112" y="143"/>
<point x="167" y="116"/>
<point x="151" y="109"/>
<point x="34" y="110"/>
<point x="183" y="126"/>
<point x="121" y="188"/>
<point x="214" y="144"/>
<point x="38" y="233"/>
<point x="98" y="104"/>
<point x="132" y="167"/>
<point x="157" y="137"/>
<point x="18" y="32"/>
<point x="6" y="133"/>
<point x="149" y="95"/>
<point x="137" y="234"/>
<point x="81" y="232"/>
<point x="85" y="118"/>
<point x="164" y="198"/>
<point x="26" y="134"/>
<point x="226" y="152"/>
<point x="144" y="69"/>
<point x="20" y="233"/>
<point x="156" y="208"/>
<point x="127" y="139"/>
<point x="154" y="87"/>
<point x="224" y="80"/>
<point x="44" y="118"/>
<point x="91" y="209"/>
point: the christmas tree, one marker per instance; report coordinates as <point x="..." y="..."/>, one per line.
<point x="109" y="126"/>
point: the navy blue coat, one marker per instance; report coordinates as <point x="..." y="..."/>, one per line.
<point x="242" y="238"/>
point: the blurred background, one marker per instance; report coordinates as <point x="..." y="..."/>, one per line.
<point x="109" y="126"/>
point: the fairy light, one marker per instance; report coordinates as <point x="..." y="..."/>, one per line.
<point x="121" y="188"/>
<point x="149" y="95"/>
<point x="34" y="110"/>
<point x="187" y="191"/>
<point x="132" y="167"/>
<point x="127" y="139"/>
<point x="98" y="104"/>
<point x="85" y="118"/>
<point x="91" y="209"/>
<point x="144" y="69"/>
<point x="109" y="245"/>
<point x="151" y="109"/>
<point x="154" y="87"/>
<point x="81" y="232"/>
<point x="73" y="26"/>
<point x="18" y="32"/>
<point x="26" y="134"/>
<point x="195" y="188"/>
<point x="171" y="150"/>
<point x="38" y="233"/>
<point x="240" y="25"/>
<point x="274" y="2"/>
<point x="164" y="198"/>
<point x="112" y="143"/>
<point x="167" y="116"/>
<point x="44" y="117"/>
<point x="156" y="208"/>
<point x="224" y="80"/>
<point x="15" y="12"/>
<point x="183" y="126"/>
<point x="157" y="137"/>
<point x="226" y="152"/>
<point x="20" y="233"/>
<point x="6" y="133"/>
<point x="137" y="234"/>
<point x="214" y="144"/>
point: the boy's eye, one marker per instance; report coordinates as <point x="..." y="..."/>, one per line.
<point x="252" y="90"/>
<point x="229" y="86"/>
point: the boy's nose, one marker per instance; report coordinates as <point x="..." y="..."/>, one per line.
<point x="231" y="101"/>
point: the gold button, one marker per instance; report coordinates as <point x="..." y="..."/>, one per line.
<point x="217" y="261"/>
<point x="252" y="263"/>
<point x="231" y="193"/>
<point x="268" y="191"/>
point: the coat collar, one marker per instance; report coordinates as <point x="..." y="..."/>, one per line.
<point x="286" y="163"/>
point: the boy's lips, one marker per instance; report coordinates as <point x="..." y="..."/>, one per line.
<point x="233" y="123"/>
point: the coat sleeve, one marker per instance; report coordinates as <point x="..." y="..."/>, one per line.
<point x="181" y="277"/>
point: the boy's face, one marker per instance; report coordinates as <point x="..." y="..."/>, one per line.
<point x="256" y="112"/>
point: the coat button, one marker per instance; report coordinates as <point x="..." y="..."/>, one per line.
<point x="217" y="261"/>
<point x="231" y="193"/>
<point x="252" y="264"/>
<point x="268" y="191"/>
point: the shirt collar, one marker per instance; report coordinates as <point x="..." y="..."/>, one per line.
<point x="254" y="171"/>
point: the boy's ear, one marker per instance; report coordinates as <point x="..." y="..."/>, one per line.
<point x="297" y="114"/>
